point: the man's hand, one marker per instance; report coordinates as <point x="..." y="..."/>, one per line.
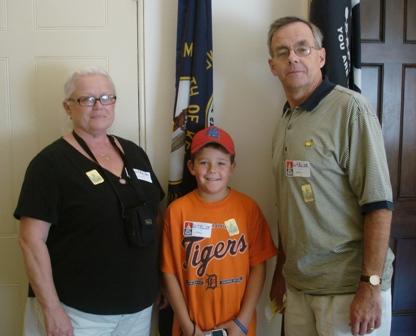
<point x="277" y="292"/>
<point x="278" y="288"/>
<point x="365" y="310"/>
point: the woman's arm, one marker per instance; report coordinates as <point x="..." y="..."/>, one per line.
<point x="32" y="240"/>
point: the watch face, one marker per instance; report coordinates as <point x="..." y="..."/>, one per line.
<point x="375" y="280"/>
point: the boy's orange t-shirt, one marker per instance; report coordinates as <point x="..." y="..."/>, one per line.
<point x="212" y="262"/>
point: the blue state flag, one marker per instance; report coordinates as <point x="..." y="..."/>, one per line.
<point x="339" y="21"/>
<point x="193" y="103"/>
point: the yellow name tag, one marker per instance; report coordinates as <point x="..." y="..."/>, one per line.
<point x="232" y="227"/>
<point x="309" y="143"/>
<point x="307" y="193"/>
<point x="95" y="177"/>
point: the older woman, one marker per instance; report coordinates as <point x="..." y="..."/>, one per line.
<point x="88" y="208"/>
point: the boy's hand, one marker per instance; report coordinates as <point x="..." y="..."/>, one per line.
<point x="198" y="332"/>
<point x="231" y="327"/>
<point x="192" y="330"/>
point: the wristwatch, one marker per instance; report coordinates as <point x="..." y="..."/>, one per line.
<point x="373" y="280"/>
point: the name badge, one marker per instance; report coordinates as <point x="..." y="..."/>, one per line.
<point x="232" y="227"/>
<point x="307" y="193"/>
<point x="197" y="229"/>
<point x="95" y="177"/>
<point x="143" y="175"/>
<point x="297" y="168"/>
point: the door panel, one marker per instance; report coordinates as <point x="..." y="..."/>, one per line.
<point x="41" y="43"/>
<point x="388" y="45"/>
<point x="408" y="168"/>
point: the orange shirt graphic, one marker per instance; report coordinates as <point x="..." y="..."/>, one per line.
<point x="210" y="248"/>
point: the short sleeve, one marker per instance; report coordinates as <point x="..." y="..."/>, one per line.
<point x="261" y="243"/>
<point x="39" y="195"/>
<point x="366" y="158"/>
<point x="167" y="252"/>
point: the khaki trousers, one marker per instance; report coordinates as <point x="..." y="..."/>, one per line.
<point x="327" y="315"/>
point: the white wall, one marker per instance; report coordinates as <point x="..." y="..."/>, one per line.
<point x="247" y="98"/>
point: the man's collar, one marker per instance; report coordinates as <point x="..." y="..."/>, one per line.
<point x="315" y="98"/>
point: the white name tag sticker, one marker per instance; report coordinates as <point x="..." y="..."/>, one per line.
<point x="143" y="175"/>
<point x="297" y="168"/>
<point x="197" y="229"/>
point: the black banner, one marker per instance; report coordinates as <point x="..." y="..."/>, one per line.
<point x="194" y="78"/>
<point x="339" y="21"/>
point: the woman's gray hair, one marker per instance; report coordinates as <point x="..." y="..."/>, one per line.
<point x="284" y="21"/>
<point x="69" y="86"/>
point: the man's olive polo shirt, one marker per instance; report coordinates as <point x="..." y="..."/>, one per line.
<point x="330" y="166"/>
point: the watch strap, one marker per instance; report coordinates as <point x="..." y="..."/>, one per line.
<point x="366" y="278"/>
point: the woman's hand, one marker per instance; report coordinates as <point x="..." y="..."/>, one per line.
<point x="57" y="322"/>
<point x="161" y="300"/>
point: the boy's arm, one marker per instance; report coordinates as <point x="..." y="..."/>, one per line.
<point x="253" y="292"/>
<point x="177" y="301"/>
<point x="251" y="297"/>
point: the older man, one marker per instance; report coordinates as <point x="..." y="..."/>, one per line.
<point x="333" y="195"/>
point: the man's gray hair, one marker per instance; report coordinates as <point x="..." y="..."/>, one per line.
<point x="284" y="21"/>
<point x="69" y="86"/>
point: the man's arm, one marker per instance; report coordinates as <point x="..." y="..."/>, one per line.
<point x="32" y="240"/>
<point x="278" y="288"/>
<point x="365" y="312"/>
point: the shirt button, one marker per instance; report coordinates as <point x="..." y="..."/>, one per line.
<point x="289" y="127"/>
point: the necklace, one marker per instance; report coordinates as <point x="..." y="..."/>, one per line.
<point x="105" y="153"/>
<point x="121" y="179"/>
<point x="105" y="157"/>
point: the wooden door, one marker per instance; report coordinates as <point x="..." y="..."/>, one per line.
<point x="389" y="81"/>
<point x="41" y="42"/>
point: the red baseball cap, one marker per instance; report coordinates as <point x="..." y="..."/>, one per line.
<point x="212" y="134"/>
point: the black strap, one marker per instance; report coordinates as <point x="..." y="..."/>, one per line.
<point x="127" y="167"/>
<point x="131" y="174"/>
<point x="85" y="147"/>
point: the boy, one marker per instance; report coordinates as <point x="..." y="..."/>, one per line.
<point x="215" y="245"/>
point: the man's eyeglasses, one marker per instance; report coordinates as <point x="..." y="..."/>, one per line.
<point x="91" y="100"/>
<point x="301" y="50"/>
